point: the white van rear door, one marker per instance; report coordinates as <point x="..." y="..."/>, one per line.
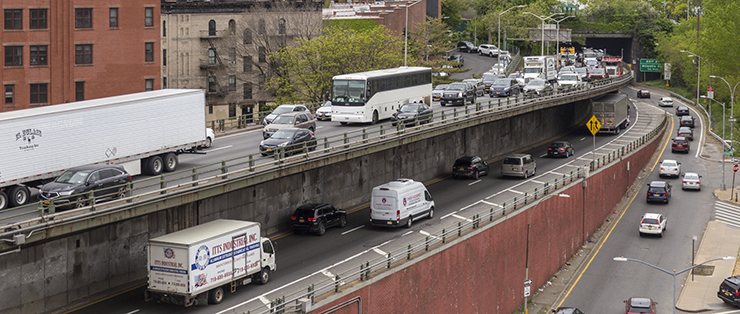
<point x="383" y="207"/>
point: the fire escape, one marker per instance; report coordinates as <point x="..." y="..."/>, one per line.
<point x="212" y="64"/>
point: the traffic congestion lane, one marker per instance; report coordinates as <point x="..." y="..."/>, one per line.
<point x="605" y="283"/>
<point x="307" y="257"/>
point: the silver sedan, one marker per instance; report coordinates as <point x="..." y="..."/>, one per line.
<point x="691" y="181"/>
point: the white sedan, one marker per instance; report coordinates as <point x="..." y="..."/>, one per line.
<point x="324" y="112"/>
<point x="652" y="224"/>
<point x="691" y="181"/>
<point x="670" y="167"/>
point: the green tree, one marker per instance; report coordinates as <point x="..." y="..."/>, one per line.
<point x="431" y="39"/>
<point x="310" y="65"/>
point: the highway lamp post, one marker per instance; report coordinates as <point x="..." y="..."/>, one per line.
<point x="542" y="49"/>
<point x="732" y="106"/>
<point x="557" y="34"/>
<point x="498" y="56"/>
<point x="722" y="186"/>
<point x="406" y="33"/>
<point x="672" y="273"/>
<point x="698" y="73"/>
<point x="528" y="281"/>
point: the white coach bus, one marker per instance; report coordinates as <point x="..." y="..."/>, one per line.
<point x="367" y="97"/>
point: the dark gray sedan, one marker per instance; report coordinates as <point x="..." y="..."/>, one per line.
<point x="409" y="114"/>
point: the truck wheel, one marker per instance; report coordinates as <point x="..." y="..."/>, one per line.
<point x="409" y="222"/>
<point x="216" y="295"/>
<point x="170" y="162"/>
<point x="322" y="229"/>
<point x="264" y="276"/>
<point x="431" y="212"/>
<point x="3" y="200"/>
<point x="154" y="165"/>
<point x="19" y="195"/>
<point x="209" y="141"/>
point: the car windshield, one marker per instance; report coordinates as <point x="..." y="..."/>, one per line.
<point x="326" y="104"/>
<point x="666" y="99"/>
<point x="283" y="120"/>
<point x="441" y="87"/>
<point x="581" y="71"/>
<point x="597" y="71"/>
<point x="569" y="78"/>
<point x="303" y="212"/>
<point x="283" y="134"/>
<point x="409" y="108"/>
<point x="650" y="221"/>
<point x="684" y="129"/>
<point x="512" y="161"/>
<point x="515" y="75"/>
<point x="73" y="177"/>
<point x="282" y="109"/>
<point x="456" y="86"/>
<point x="655" y="189"/>
<point x="669" y="164"/>
<point x="537" y="83"/>
<point x="501" y="83"/>
<point x="679" y="142"/>
<point x="686" y="118"/>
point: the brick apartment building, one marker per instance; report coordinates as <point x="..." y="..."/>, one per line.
<point x="58" y="51"/>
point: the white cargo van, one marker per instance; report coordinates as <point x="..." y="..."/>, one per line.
<point x="399" y="203"/>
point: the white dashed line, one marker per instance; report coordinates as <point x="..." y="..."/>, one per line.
<point x="474" y="182"/>
<point x="428" y="234"/>
<point x="583" y="139"/>
<point x="379" y="251"/>
<point x="264" y="300"/>
<point x="350" y="230"/>
<point x="327" y="273"/>
<point x="217" y="149"/>
<point x="557" y="173"/>
<point x="448" y="215"/>
<point x="461" y="217"/>
<point x="515" y="191"/>
<point x="538" y="182"/>
<point x="407" y="233"/>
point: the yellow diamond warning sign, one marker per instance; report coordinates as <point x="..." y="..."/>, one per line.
<point x="593" y="125"/>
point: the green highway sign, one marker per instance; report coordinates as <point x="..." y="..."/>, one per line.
<point x="650" y="65"/>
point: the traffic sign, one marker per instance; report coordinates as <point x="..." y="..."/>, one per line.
<point x="710" y="92"/>
<point x="593" y="125"/>
<point x="734" y="168"/>
<point x="650" y="65"/>
<point x="728" y="154"/>
<point x="526" y="291"/>
<point x="528" y="282"/>
<point x="732" y="119"/>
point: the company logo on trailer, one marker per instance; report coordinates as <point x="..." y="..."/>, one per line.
<point x="27" y="137"/>
<point x="200" y="280"/>
<point x="169" y="253"/>
<point x="202" y="257"/>
<point x="383" y="200"/>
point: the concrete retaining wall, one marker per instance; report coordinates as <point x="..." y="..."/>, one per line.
<point x="484" y="272"/>
<point x="59" y="273"/>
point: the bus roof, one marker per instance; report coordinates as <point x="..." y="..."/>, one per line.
<point x="379" y="73"/>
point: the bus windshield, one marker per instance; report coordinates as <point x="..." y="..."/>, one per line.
<point x="348" y="92"/>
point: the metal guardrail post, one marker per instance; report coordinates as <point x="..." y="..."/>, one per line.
<point x="444" y="235"/>
<point x="129" y="187"/>
<point x="346" y="139"/>
<point x="326" y="142"/>
<point x="195" y="176"/>
<point x="364" y="133"/>
<point x="162" y="184"/>
<point x="426" y="244"/>
<point x="251" y="162"/>
<point x="381" y="130"/>
<point x="408" y="252"/>
<point x="224" y="169"/>
<point x="389" y="260"/>
<point x="92" y="199"/>
<point x="336" y="283"/>
<point x="454" y="112"/>
<point x="459" y="228"/>
<point x="525" y="198"/>
<point x="367" y="270"/>
<point x="52" y="207"/>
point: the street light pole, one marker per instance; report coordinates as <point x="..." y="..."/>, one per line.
<point x="698" y="73"/>
<point x="674" y="274"/>
<point x="542" y="49"/>
<point x="722" y="186"/>
<point x="732" y="105"/>
<point x="498" y="56"/>
<point x="557" y="35"/>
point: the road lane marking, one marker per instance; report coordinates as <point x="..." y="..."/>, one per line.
<point x="134" y="311"/>
<point x="264" y="300"/>
<point x="543" y="155"/>
<point x="353" y="229"/>
<point x="474" y="182"/>
<point x="515" y="191"/>
<point x="428" y="234"/>
<point x="217" y="148"/>
<point x="448" y="215"/>
<point x="327" y="273"/>
<point x="557" y="173"/>
<point x="461" y="217"/>
<point x="583" y="139"/>
<point x="538" y="182"/>
<point x="489" y="203"/>
<point x="379" y="251"/>
<point x="407" y="233"/>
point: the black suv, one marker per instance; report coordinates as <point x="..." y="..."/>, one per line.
<point x="687" y="121"/>
<point x="659" y="191"/>
<point x="466" y="46"/>
<point x="729" y="291"/>
<point x="316" y="218"/>
<point x="73" y="187"/>
<point x="470" y="167"/>
<point x="682" y="111"/>
<point x="292" y="140"/>
<point x="458" y="93"/>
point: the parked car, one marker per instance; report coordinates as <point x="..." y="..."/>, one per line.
<point x="691" y="181"/>
<point x="682" y="111"/>
<point x="643" y="93"/>
<point x="670" y="168"/>
<point x="480" y="87"/>
<point x="640" y="306"/>
<point x="106" y="182"/>
<point x="680" y="144"/>
<point x="505" y="87"/>
<point x="466" y="46"/>
<point x="596" y="74"/>
<point x="687" y="121"/>
<point x="324" y="112"/>
<point x="293" y="119"/>
<point x="458" y="93"/>
<point x="469" y="167"/>
<point x="567" y="310"/>
<point x="686" y="132"/>
<point x="282" y="109"/>
<point x="409" y="114"/>
<point x="488" y="50"/>
<point x="457" y="60"/>
<point x="665" y="102"/>
<point x="292" y="140"/>
<point x="659" y="191"/>
<point x="729" y="291"/>
<point x="537" y="87"/>
<point x="315" y="218"/>
<point x="560" y="149"/>
<point x="437" y="91"/>
<point x="518" y="165"/>
<point x="210" y="136"/>
<point x="652" y="224"/>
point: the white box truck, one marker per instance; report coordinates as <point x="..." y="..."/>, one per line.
<point x="144" y="132"/>
<point x="612" y="111"/>
<point x="193" y="266"/>
<point x="399" y="203"/>
<point x="542" y="67"/>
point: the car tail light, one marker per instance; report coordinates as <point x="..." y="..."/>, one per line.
<point x="683" y="181"/>
<point x="292" y="217"/>
<point x="472" y="168"/>
<point x="663" y="194"/>
<point x="398" y="216"/>
<point x="661" y="168"/>
<point x="130" y="177"/>
<point x="697" y="182"/>
<point x="562" y="148"/>
<point x="549" y="148"/>
<point x="648" y="193"/>
<point x="737" y="293"/>
<point x="312" y="218"/>
<point x="642" y="221"/>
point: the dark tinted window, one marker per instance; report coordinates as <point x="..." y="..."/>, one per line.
<point x="650" y="221"/>
<point x="462" y="163"/>
<point x="653" y="189"/>
<point x="634" y="309"/>
<point x="106" y="173"/>
<point x="557" y="145"/>
<point x="512" y="161"/>
<point x="305" y="212"/>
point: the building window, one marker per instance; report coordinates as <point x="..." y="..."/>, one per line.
<point x="14" y="19"/>
<point x="38" y="55"/>
<point x="247" y="63"/>
<point x="149" y="84"/>
<point x="232" y="110"/>
<point x="211" y="84"/>
<point x="211" y="28"/>
<point x="38" y="18"/>
<point x="262" y="29"/>
<point x="164" y="57"/>
<point x="79" y="91"/>
<point x="164" y="28"/>
<point x="39" y="93"/>
<point x="247" y="36"/>
<point x="149" y="17"/>
<point x="9" y="94"/>
<point x="149" y="52"/>
<point x="83" y="18"/>
<point x="281" y="26"/>
<point x="13" y="55"/>
<point x="232" y="27"/>
<point x="210" y="109"/>
<point x="164" y="82"/>
<point x="248" y="90"/>
<point x="232" y="55"/>
<point x="262" y="54"/>
<point x="83" y="54"/>
<point x="211" y="56"/>
<point x="113" y="20"/>
<point x="232" y="82"/>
